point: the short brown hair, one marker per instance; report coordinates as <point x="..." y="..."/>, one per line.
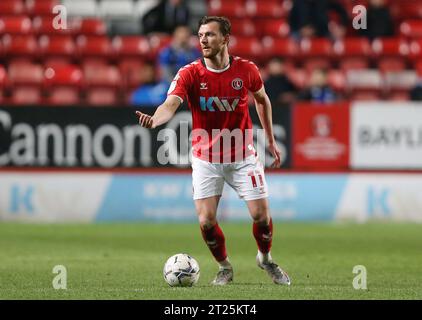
<point x="223" y="22"/>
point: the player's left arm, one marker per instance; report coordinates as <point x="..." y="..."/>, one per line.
<point x="264" y="110"/>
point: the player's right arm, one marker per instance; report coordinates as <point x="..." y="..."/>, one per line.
<point x="178" y="89"/>
<point x="163" y="113"/>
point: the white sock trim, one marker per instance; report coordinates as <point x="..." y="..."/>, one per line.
<point x="264" y="257"/>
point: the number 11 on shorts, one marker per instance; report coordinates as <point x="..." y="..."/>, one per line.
<point x="256" y="178"/>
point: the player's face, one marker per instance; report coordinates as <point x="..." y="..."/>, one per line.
<point x="211" y="39"/>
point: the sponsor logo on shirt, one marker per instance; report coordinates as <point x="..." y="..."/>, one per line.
<point x="217" y="104"/>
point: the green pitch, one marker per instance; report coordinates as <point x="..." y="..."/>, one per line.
<point x="125" y="261"/>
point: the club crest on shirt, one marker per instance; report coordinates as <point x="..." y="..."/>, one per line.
<point x="203" y="86"/>
<point x="237" y="84"/>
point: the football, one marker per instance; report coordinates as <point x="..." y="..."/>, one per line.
<point x="181" y="270"/>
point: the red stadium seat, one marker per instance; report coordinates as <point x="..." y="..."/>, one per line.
<point x="390" y="47"/>
<point x="352" y="47"/>
<point x="131" y="46"/>
<point x="3" y="82"/>
<point x="3" y="76"/>
<point x="12" y="7"/>
<point x="102" y="76"/>
<point x="316" y="47"/>
<point x="245" y="47"/>
<point x="264" y="9"/>
<point x="44" y="25"/>
<point x="337" y="80"/>
<point x="411" y="28"/>
<point x="94" y="46"/>
<point x="229" y="9"/>
<point x="63" y="84"/>
<point x="353" y="63"/>
<point x="415" y="49"/>
<point x="273" y="27"/>
<point x="365" y="95"/>
<point x="391" y="64"/>
<point x="15" y="25"/>
<point x="418" y="67"/>
<point x="284" y="47"/>
<point x="14" y="46"/>
<point x="103" y="84"/>
<point x="90" y="26"/>
<point x="25" y="74"/>
<point x="41" y="7"/>
<point x="24" y="95"/>
<point x="398" y="96"/>
<point x="64" y="75"/>
<point x="311" y="64"/>
<point x="91" y="64"/>
<point x="63" y="96"/>
<point x="101" y="97"/>
<point x="57" y="46"/>
<point x="243" y="28"/>
<point x="131" y="71"/>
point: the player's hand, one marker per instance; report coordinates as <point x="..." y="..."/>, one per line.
<point x="145" y="120"/>
<point x="275" y="151"/>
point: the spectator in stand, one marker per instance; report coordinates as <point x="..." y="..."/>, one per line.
<point x="152" y="92"/>
<point x="280" y="90"/>
<point x="379" y="20"/>
<point x="178" y="54"/>
<point x="166" y="16"/>
<point x="318" y="89"/>
<point x="312" y="18"/>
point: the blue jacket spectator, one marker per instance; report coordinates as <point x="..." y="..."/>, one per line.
<point x="178" y="54"/>
<point x="152" y="92"/>
<point x="318" y="90"/>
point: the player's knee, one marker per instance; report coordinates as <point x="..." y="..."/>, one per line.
<point x="207" y="221"/>
<point x="261" y="218"/>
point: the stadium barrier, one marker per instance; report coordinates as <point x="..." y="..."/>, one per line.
<point x="94" y="137"/>
<point x="96" y="197"/>
<point x="364" y="135"/>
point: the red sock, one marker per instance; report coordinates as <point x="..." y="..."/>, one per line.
<point x="214" y="238"/>
<point x="263" y="235"/>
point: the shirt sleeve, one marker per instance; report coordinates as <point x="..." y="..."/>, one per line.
<point x="181" y="83"/>
<point x="255" y="80"/>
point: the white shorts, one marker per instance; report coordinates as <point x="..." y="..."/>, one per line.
<point x="245" y="177"/>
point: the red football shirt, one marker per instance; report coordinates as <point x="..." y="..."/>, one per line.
<point x="218" y="99"/>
